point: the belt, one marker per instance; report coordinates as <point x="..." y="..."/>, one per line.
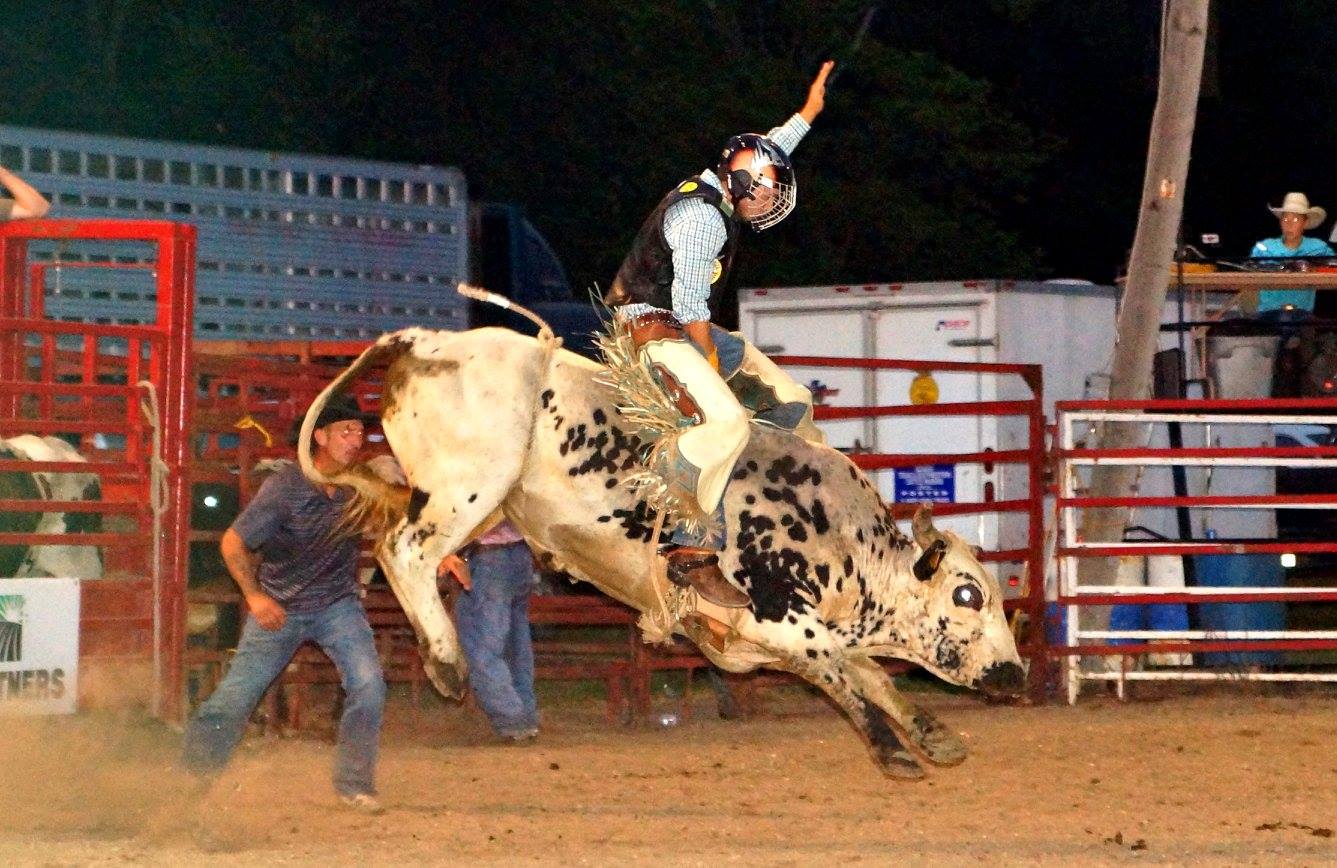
<point x="657" y="325"/>
<point x="477" y="546"/>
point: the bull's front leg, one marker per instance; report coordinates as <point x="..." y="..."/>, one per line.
<point x="835" y="679"/>
<point x="925" y="732"/>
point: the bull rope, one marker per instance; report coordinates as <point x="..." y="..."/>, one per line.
<point x="148" y="406"/>
<point x="674" y="602"/>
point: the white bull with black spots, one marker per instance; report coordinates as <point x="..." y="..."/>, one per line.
<point x="64" y="561"/>
<point x="488" y="421"/>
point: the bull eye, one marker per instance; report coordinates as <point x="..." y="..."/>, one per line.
<point x="969" y="596"/>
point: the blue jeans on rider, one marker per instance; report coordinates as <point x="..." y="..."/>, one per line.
<point x="493" y="622"/>
<point x="342" y="631"/>
<point x="716" y="540"/>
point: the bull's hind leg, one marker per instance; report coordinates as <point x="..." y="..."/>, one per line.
<point x="922" y="730"/>
<point x="412" y="576"/>
<point x="459" y="415"/>
<point x="437" y="525"/>
<point x="868" y="719"/>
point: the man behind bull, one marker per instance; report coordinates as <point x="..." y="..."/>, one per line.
<point x="298" y="577"/>
<point x="664" y="291"/>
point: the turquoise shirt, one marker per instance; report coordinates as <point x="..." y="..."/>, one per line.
<point x="1276" y="299"/>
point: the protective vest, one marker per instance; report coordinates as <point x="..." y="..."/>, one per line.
<point x="646" y="275"/>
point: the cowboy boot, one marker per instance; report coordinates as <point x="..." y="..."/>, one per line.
<point x="699" y="569"/>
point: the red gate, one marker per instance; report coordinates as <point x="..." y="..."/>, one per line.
<point x="122" y="393"/>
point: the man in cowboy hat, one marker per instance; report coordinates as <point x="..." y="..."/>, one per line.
<point x="1296" y="215"/>
<point x="298" y="577"/>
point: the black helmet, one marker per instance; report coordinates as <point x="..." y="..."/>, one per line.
<point x="742" y="171"/>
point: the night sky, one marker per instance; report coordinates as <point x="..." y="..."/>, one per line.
<point x="962" y="138"/>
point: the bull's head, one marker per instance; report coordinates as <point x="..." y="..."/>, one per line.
<point x="963" y="634"/>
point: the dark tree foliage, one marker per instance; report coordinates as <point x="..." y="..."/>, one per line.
<point x="963" y="138"/>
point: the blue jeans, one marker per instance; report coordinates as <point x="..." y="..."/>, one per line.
<point x="342" y="631"/>
<point x="493" y="622"/>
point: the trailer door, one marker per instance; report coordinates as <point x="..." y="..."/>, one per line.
<point x="843" y="332"/>
<point x="938" y="332"/>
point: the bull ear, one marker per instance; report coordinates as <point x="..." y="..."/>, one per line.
<point x="928" y="562"/>
<point x="921" y="526"/>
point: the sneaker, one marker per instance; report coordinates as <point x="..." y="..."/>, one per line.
<point x="363" y="803"/>
<point x="520" y="737"/>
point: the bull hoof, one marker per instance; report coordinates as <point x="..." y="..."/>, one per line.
<point x="900" y="765"/>
<point x="448" y="680"/>
<point x="943" y="748"/>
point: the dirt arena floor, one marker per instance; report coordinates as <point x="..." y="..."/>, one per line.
<point x="1237" y="777"/>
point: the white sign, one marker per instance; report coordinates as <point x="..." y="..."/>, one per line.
<point x="39" y="645"/>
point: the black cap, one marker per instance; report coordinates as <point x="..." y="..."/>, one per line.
<point x="342" y="408"/>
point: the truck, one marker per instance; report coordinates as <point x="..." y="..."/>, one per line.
<point x="292" y="247"/>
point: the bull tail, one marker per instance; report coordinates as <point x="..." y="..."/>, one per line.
<point x="378" y="504"/>
<point x="477" y="293"/>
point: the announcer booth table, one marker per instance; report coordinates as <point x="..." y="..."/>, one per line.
<point x="119" y="392"/>
<point x="1246" y="281"/>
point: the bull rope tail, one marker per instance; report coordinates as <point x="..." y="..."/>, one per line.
<point x="148" y="405"/>
<point x="674" y="602"/>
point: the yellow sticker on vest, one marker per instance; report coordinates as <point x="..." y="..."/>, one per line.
<point x="687" y="187"/>
<point x="716" y="270"/>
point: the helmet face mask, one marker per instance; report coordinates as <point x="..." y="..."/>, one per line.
<point x="759" y="178"/>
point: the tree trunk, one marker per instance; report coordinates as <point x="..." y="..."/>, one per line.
<point x="1184" y="38"/>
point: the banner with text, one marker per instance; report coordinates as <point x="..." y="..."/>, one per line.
<point x="39" y="645"/>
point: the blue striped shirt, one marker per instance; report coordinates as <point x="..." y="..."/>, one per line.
<point x="289" y="522"/>
<point x="696" y="233"/>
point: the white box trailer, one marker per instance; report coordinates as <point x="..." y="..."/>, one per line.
<point x="1066" y="327"/>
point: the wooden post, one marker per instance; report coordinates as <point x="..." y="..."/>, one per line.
<point x="1184" y="37"/>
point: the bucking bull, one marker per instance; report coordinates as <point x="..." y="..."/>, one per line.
<point x="489" y="422"/>
<point x="69" y="561"/>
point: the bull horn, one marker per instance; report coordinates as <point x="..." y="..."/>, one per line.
<point x="928" y="562"/>
<point x="921" y="526"/>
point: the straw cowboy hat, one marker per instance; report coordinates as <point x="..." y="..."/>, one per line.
<point x="1298" y="203"/>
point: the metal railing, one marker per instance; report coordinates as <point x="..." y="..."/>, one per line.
<point x="1084" y="641"/>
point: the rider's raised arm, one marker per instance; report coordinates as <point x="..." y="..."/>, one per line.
<point x="792" y="131"/>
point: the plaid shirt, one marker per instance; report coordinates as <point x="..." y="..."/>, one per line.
<point x="696" y="233"/>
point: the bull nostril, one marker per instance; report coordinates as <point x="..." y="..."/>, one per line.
<point x="1003" y="678"/>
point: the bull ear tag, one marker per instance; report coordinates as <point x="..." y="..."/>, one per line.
<point x="928" y="562"/>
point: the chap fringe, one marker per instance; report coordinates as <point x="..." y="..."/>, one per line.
<point x="657" y="423"/>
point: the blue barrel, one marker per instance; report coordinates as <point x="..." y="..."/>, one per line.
<point x="1241" y="571"/>
<point x="1147" y="616"/>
